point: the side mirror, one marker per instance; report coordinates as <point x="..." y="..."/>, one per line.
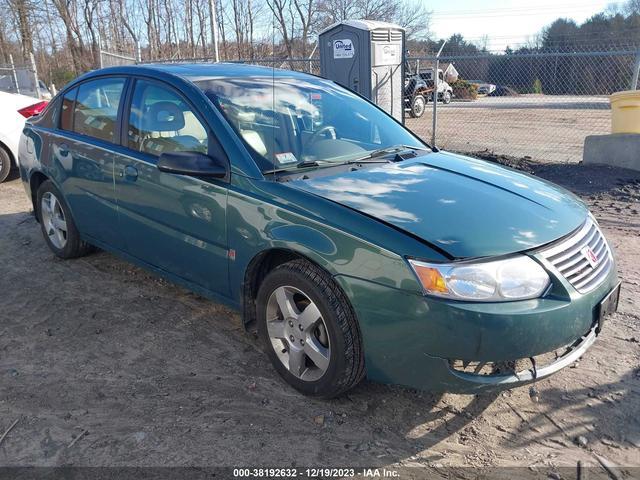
<point x="192" y="163"/>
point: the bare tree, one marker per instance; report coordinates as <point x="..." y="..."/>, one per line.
<point x="202" y="26"/>
<point x="89" y="10"/>
<point x="306" y="10"/>
<point x="68" y="12"/>
<point x="414" y="17"/>
<point x="632" y="7"/>
<point x="280" y="10"/>
<point x="22" y="10"/>
<point x="4" y="40"/>
<point x="124" y="18"/>
<point x="223" y="35"/>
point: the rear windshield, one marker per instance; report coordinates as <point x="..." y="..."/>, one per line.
<point x="287" y="121"/>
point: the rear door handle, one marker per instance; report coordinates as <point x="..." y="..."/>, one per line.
<point x="131" y="173"/>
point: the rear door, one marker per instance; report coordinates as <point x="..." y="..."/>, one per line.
<point x="174" y="222"/>
<point x="83" y="159"/>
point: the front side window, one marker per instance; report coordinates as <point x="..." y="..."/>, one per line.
<point x="161" y="121"/>
<point x="96" y="108"/>
<point x="287" y="121"/>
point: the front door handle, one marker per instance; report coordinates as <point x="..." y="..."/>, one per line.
<point x="130" y="173"/>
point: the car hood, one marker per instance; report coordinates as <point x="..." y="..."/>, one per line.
<point x="466" y="207"/>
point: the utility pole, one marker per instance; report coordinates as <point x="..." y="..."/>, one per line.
<point x="213" y="18"/>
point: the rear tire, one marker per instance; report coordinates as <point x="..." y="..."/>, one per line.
<point x="446" y="98"/>
<point x="287" y="332"/>
<point x="58" y="228"/>
<point x="5" y="164"/>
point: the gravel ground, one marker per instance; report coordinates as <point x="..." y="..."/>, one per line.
<point x="102" y="363"/>
<point x="549" y="128"/>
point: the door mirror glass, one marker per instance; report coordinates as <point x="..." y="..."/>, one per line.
<point x="192" y="163"/>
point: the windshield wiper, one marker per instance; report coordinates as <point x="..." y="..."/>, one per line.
<point x="370" y="157"/>
<point x="308" y="163"/>
<point x="392" y="149"/>
<point x="303" y="164"/>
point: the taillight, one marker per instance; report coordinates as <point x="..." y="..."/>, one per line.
<point x="32" y="110"/>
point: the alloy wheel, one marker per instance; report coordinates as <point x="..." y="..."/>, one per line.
<point x="298" y="333"/>
<point x="54" y="220"/>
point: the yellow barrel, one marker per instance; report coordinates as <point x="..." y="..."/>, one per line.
<point x="625" y="112"/>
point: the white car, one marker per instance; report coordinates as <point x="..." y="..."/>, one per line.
<point x="484" y="88"/>
<point x="15" y="110"/>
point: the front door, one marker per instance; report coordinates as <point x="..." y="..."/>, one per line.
<point x="174" y="222"/>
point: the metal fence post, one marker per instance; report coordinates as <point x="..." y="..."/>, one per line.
<point x="99" y="51"/>
<point x="636" y="72"/>
<point x="14" y="74"/>
<point x="138" y="52"/>
<point x="436" y="84"/>
<point x="436" y="80"/>
<point x="315" y="47"/>
<point x="34" y="71"/>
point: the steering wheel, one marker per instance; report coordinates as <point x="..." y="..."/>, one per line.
<point x="317" y="134"/>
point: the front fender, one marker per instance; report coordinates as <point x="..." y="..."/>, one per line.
<point x="335" y="238"/>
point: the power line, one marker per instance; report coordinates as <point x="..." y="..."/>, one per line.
<point x="520" y="10"/>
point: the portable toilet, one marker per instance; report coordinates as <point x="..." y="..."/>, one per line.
<point x="366" y="56"/>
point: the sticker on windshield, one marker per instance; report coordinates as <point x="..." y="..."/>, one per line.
<point x="286" y="158"/>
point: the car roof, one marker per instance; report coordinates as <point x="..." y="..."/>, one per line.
<point x="202" y="71"/>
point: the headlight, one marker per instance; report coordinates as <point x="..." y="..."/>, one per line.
<point x="516" y="278"/>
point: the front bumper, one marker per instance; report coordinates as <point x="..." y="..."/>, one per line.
<point x="574" y="352"/>
<point x="411" y="340"/>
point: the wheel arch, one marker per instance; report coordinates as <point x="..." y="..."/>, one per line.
<point x="36" y="179"/>
<point x="12" y="158"/>
<point x="258" y="268"/>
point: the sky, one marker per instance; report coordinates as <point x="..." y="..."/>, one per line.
<point x="505" y="22"/>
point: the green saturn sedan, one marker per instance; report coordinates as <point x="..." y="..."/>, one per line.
<point x="352" y="247"/>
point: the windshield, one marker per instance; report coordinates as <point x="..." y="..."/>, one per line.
<point x="292" y="122"/>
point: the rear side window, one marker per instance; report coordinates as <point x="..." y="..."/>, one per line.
<point x="161" y="121"/>
<point x="96" y="108"/>
<point x="66" y="114"/>
<point x="50" y="114"/>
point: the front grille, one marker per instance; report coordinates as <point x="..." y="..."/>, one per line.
<point x="571" y="257"/>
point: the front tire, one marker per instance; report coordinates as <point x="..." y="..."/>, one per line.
<point x="309" y="330"/>
<point x="446" y="98"/>
<point x="57" y="225"/>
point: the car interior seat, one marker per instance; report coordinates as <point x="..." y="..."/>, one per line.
<point x="162" y="124"/>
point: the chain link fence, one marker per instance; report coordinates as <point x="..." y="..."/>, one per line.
<point x="533" y="104"/>
<point x="539" y="105"/>
<point x="113" y="59"/>
<point x="22" y="79"/>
